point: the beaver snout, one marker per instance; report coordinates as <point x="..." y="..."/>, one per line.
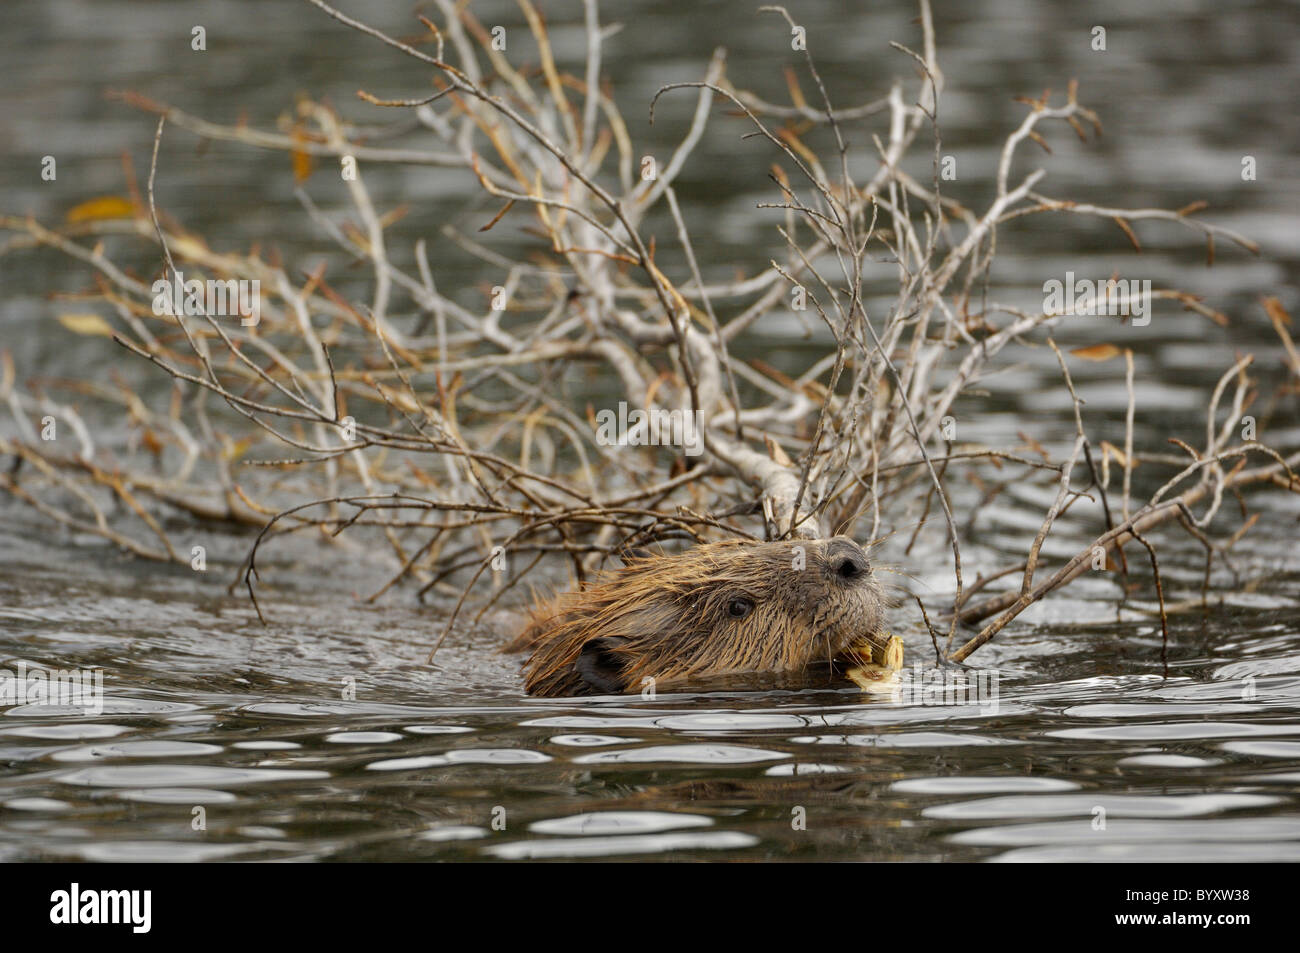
<point x="847" y="559"/>
<point x="724" y="608"/>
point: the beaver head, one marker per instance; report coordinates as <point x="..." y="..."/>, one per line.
<point x="722" y="608"/>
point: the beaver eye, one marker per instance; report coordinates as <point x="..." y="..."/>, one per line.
<point x="739" y="608"/>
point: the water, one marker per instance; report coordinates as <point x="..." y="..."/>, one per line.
<point x="322" y="735"/>
<point x="207" y="708"/>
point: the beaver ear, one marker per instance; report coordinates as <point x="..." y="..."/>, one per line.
<point x="599" y="665"/>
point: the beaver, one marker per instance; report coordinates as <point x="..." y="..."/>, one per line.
<point x="724" y="608"/>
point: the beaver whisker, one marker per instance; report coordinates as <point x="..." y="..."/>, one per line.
<point x="896" y="571"/>
<point x="873" y="543"/>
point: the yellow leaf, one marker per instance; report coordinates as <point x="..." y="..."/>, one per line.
<point x="151" y="442"/>
<point x="1098" y="352"/>
<point x="302" y="161"/>
<point x="235" y="450"/>
<point x="103" y="207"/>
<point x="792" y="140"/>
<point x="86" y="324"/>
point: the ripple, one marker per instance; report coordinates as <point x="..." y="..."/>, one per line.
<point x="436" y="729"/>
<point x="590" y="741"/>
<point x="1264" y="749"/>
<point x="261" y="833"/>
<point x="194" y="796"/>
<point x="1259" y="668"/>
<point x="335" y="709"/>
<point x="1168" y="761"/>
<point x="880" y="714"/>
<point x="25" y="616"/>
<point x="407" y="764"/>
<point x="362" y="737"/>
<point x="462" y="756"/>
<point x="182" y="775"/>
<point x="111" y="706"/>
<point x="1282" y="777"/>
<point x="266" y="745"/>
<point x="689" y="754"/>
<point x="589" y="721"/>
<point x="496" y="756"/>
<point x="618" y="822"/>
<point x="1234" y="829"/>
<point x="1201" y="852"/>
<point x="37" y="804"/>
<point x="803" y="768"/>
<point x="981" y="785"/>
<point x="1083" y="805"/>
<point x="905" y="739"/>
<point x="1173" y="731"/>
<point x="304" y="709"/>
<point x="135" y="749"/>
<point x="155" y="851"/>
<point x="1144" y="710"/>
<point x="452" y="832"/>
<point x="68" y="731"/>
<point x="731" y="721"/>
<point x="611" y="846"/>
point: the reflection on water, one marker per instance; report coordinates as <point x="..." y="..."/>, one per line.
<point x="220" y="739"/>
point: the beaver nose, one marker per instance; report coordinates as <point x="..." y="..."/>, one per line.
<point x="849" y="568"/>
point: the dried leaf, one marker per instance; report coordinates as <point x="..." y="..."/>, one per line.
<point x="302" y="161"/>
<point x="1097" y="352"/>
<point x="101" y="208"/>
<point x="392" y="216"/>
<point x="796" y="94"/>
<point x="151" y="442"/>
<point x="1033" y="445"/>
<point x="791" y="139"/>
<point x="1277" y="314"/>
<point x="233" y="450"/>
<point x="776" y="452"/>
<point x="87" y="323"/>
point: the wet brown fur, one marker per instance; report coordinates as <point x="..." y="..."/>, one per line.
<point x="672" y="617"/>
